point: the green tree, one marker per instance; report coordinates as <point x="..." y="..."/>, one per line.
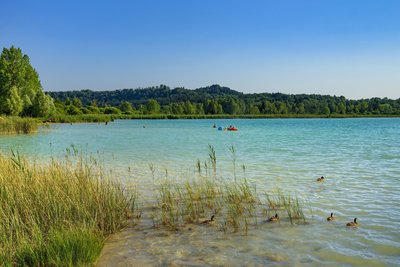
<point x="14" y="104"/>
<point x="43" y="105"/>
<point x="17" y="74"/>
<point x="111" y="110"/>
<point x="326" y="110"/>
<point x="341" y="108"/>
<point x="72" y="110"/>
<point x="177" y="108"/>
<point x="230" y="106"/>
<point x="20" y="88"/>
<point x="152" y="106"/>
<point x="254" y="109"/>
<point x="77" y="102"/>
<point x="189" y="108"/>
<point x="126" y="107"/>
<point x="301" y="109"/>
<point x="364" y="106"/>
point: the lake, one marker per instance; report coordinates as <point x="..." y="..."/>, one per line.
<point x="359" y="158"/>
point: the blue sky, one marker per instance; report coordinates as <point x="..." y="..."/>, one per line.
<point x="335" y="47"/>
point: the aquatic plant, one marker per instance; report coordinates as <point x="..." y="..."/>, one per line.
<point x="291" y="205"/>
<point x="236" y="204"/>
<point x="233" y="153"/>
<point x="213" y="159"/>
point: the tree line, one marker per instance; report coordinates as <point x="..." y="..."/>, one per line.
<point x="21" y="94"/>
<point x="215" y="99"/>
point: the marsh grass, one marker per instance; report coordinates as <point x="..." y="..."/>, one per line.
<point x="213" y="159"/>
<point x="237" y="205"/>
<point x="292" y="206"/>
<point x="59" y="213"/>
<point x="17" y="125"/>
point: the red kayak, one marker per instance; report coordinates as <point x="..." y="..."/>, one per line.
<point x="232" y="129"/>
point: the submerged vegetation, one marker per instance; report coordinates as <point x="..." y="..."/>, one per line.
<point x="16" y="125"/>
<point x="59" y="213"/>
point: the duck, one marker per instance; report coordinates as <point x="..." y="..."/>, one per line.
<point x="322" y="178"/>
<point x="208" y="221"/>
<point x="353" y="223"/>
<point x="274" y="218"/>
<point x="330" y="218"/>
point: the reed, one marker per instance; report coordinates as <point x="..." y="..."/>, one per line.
<point x="17" y="125"/>
<point x="59" y="213"/>
<point x="293" y="206"/>
<point x="233" y="153"/>
<point x="236" y="204"/>
<point x="233" y="204"/>
<point x="213" y="159"/>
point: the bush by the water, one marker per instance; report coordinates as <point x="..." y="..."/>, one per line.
<point x="58" y="214"/>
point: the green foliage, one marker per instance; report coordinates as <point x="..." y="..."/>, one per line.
<point x="126" y="107"/>
<point x="14" y="104"/>
<point x="111" y="110"/>
<point x="152" y="106"/>
<point x="20" y="89"/>
<point x="217" y="100"/>
<point x="43" y="105"/>
<point x="77" y="102"/>
<point x="72" y="110"/>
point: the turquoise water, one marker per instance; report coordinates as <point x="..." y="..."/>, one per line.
<point x="360" y="159"/>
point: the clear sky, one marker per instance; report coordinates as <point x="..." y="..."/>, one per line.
<point x="336" y="47"/>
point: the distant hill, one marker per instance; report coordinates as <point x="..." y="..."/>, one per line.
<point x="163" y="94"/>
<point x="216" y="99"/>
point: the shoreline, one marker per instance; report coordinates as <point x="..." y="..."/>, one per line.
<point x="102" y="118"/>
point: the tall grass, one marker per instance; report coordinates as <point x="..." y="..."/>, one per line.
<point x="60" y="213"/>
<point x="292" y="206"/>
<point x="212" y="158"/>
<point x="17" y="125"/>
<point x="236" y="204"/>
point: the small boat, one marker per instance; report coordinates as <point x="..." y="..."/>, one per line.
<point x="232" y="129"/>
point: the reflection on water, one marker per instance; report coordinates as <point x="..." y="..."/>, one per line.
<point x="360" y="159"/>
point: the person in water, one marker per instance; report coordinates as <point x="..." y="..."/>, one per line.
<point x="214" y="126"/>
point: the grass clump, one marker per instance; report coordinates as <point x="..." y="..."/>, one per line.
<point x="17" y="125"/>
<point x="236" y="205"/>
<point x="292" y="206"/>
<point x="58" y="214"/>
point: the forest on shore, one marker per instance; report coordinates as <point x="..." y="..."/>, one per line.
<point x="21" y="94"/>
<point x="217" y="100"/>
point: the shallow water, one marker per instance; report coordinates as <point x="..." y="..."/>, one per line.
<point x="360" y="159"/>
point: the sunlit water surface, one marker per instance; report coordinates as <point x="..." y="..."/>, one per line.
<point x="360" y="159"/>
